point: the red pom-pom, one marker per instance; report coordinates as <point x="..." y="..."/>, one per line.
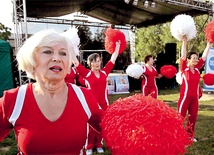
<point x="209" y="32"/>
<point x="208" y="79"/>
<point x="168" y="71"/>
<point x="112" y="36"/>
<point x="143" y="125"/>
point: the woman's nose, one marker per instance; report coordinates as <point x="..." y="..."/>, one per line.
<point x="56" y="57"/>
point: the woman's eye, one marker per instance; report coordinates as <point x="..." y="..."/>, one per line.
<point x="47" y="52"/>
<point x="63" y="53"/>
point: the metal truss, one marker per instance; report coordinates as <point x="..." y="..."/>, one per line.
<point x="20" y="31"/>
<point x="196" y="4"/>
<point x="74" y="22"/>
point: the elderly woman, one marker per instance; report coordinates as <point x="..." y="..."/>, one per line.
<point x="49" y="116"/>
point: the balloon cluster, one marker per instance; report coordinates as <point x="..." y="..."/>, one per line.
<point x="168" y="71"/>
<point x="140" y="124"/>
<point x="111" y="37"/>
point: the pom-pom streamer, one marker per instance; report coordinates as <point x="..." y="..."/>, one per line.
<point x="209" y="32"/>
<point x="208" y="79"/>
<point x="183" y="25"/>
<point x="135" y="70"/>
<point x="178" y="78"/>
<point x="111" y="37"/>
<point x="140" y="124"/>
<point x="73" y="37"/>
<point x="168" y="71"/>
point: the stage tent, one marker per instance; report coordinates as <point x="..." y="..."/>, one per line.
<point x="6" y="75"/>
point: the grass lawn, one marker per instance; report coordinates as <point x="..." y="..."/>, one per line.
<point x="204" y="126"/>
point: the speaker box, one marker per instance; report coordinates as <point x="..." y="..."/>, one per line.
<point x="166" y="58"/>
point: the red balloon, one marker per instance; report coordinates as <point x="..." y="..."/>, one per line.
<point x="112" y="36"/>
<point x="168" y="71"/>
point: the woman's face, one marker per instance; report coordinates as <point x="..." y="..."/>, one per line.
<point x="151" y="61"/>
<point x="96" y="64"/>
<point x="52" y="62"/>
<point x="193" y="60"/>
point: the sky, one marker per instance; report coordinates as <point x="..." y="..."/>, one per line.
<point x="6" y="9"/>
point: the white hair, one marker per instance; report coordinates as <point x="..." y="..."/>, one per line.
<point x="26" y="54"/>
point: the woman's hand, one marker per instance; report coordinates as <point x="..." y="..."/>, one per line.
<point x="74" y="58"/>
<point x="206" y="51"/>
<point x="184" y="38"/>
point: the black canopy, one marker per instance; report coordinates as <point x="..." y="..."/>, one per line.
<point x="113" y="11"/>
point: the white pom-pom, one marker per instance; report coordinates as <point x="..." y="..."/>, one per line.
<point x="72" y="35"/>
<point x="183" y="25"/>
<point x="179" y="78"/>
<point x="135" y="70"/>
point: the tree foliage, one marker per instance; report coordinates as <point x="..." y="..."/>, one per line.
<point x="5" y="32"/>
<point x="85" y="36"/>
<point x="152" y="40"/>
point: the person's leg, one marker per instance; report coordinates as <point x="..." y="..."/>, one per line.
<point x="99" y="143"/>
<point x="183" y="104"/>
<point x="154" y="92"/>
<point x="192" y="117"/>
<point x="90" y="142"/>
<point x="145" y="90"/>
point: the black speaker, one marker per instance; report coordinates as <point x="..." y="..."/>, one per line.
<point x="167" y="58"/>
<point x="170" y="53"/>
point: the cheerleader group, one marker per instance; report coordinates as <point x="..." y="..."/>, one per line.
<point x="163" y="132"/>
<point x="135" y="125"/>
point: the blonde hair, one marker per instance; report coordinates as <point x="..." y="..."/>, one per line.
<point x="26" y="54"/>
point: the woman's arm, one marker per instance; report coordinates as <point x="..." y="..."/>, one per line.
<point x="5" y="125"/>
<point x="206" y="51"/>
<point x="116" y="52"/>
<point x="74" y="59"/>
<point x="184" y="47"/>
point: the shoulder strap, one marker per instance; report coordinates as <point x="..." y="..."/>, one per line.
<point x="18" y="104"/>
<point x="103" y="72"/>
<point x="81" y="97"/>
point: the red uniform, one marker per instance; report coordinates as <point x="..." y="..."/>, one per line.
<point x="35" y="134"/>
<point x="98" y="87"/>
<point x="189" y="93"/>
<point x="74" y="77"/>
<point x="148" y="85"/>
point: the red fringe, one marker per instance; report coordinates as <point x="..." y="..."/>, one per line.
<point x="112" y="36"/>
<point x="168" y="71"/>
<point x="139" y="124"/>
<point x="209" y="32"/>
<point x="208" y="79"/>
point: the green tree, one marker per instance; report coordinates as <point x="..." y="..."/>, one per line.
<point x="85" y="37"/>
<point x="4" y="32"/>
<point x="199" y="43"/>
<point x="148" y="41"/>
